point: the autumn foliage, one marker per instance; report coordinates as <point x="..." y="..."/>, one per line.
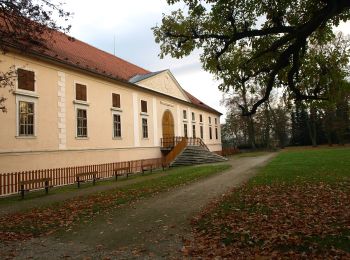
<point x="307" y="218"/>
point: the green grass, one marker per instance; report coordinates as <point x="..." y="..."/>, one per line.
<point x="59" y="215"/>
<point x="72" y="188"/>
<point x="326" y="165"/>
<point x="176" y="174"/>
<point x="311" y="186"/>
<point x="252" y="154"/>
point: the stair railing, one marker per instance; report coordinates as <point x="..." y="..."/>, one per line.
<point x="178" y="148"/>
<point x="201" y="143"/>
<point x="193" y="141"/>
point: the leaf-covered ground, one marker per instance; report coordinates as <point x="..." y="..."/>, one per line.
<point x="298" y="206"/>
<point x="63" y="216"/>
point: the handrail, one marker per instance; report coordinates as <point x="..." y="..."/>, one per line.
<point x="179" y="147"/>
<point x="171" y="142"/>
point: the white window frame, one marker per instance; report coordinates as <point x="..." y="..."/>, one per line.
<point x="121" y="126"/>
<point x="30" y="99"/>
<point x="84" y="107"/>
<point x="142" y="118"/>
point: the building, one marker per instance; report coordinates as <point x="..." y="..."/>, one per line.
<point x="73" y="104"/>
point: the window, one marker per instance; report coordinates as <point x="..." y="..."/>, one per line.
<point x="143" y="106"/>
<point x="81" y="122"/>
<point x="80" y="92"/>
<point x="201" y="118"/>
<point x="26" y="118"/>
<point x="26" y="79"/>
<point x="216" y="121"/>
<point x="201" y="130"/>
<point x="209" y="120"/>
<point x="210" y="133"/>
<point x="115" y="100"/>
<point x="117" y="126"/>
<point x="193" y="117"/>
<point x="216" y="133"/>
<point x="144" y="128"/>
<point x="184" y="112"/>
<point x="193" y="131"/>
<point x="185" y="130"/>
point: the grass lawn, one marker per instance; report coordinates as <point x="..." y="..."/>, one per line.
<point x="297" y="206"/>
<point x="63" y="215"/>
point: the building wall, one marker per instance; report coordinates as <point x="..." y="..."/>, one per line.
<point x="55" y="143"/>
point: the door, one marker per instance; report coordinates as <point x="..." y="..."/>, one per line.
<point x="168" y="129"/>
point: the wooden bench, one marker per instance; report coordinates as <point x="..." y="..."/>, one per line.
<point x="121" y="170"/>
<point x="44" y="181"/>
<point x="146" y="167"/>
<point x="88" y="176"/>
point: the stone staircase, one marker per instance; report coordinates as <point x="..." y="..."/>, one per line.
<point x="192" y="155"/>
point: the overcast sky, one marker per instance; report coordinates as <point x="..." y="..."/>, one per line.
<point x="130" y="22"/>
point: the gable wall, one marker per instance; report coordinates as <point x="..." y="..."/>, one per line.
<point x="163" y="83"/>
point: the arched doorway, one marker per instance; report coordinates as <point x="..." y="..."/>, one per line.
<point x="168" y="129"/>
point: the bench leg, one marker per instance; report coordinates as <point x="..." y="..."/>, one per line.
<point x="78" y="181"/>
<point x="94" y="180"/>
<point x="22" y="191"/>
<point x="46" y="187"/>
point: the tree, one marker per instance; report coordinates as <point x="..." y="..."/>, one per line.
<point x="26" y="24"/>
<point x="324" y="71"/>
<point x="275" y="33"/>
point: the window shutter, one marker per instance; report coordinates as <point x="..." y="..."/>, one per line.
<point x="26" y="79"/>
<point x="143" y="106"/>
<point x="116" y="100"/>
<point x="80" y="92"/>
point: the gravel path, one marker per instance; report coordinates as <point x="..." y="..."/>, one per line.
<point x="152" y="228"/>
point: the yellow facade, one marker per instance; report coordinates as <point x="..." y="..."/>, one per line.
<point x="55" y="143"/>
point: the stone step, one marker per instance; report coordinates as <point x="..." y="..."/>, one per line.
<point x="197" y="155"/>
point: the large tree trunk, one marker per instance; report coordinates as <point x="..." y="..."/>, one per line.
<point x="249" y="119"/>
<point x="251" y="132"/>
<point x="311" y="125"/>
<point x="267" y="126"/>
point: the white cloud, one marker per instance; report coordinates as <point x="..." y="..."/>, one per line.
<point x="130" y="21"/>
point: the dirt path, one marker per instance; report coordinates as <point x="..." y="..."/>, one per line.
<point x="151" y="228"/>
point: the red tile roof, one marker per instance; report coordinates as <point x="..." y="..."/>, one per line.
<point x="79" y="54"/>
<point x="199" y="103"/>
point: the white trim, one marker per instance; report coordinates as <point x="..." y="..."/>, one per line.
<point x="30" y="100"/>
<point x="179" y="131"/>
<point x="21" y="92"/>
<point x="61" y="113"/>
<point x="115" y="109"/>
<point x="155" y="122"/>
<point x="144" y="114"/>
<point x="136" y="119"/>
<point x="80" y="102"/>
<point x="121" y="125"/>
<point x="76" y="107"/>
<point x="145" y="138"/>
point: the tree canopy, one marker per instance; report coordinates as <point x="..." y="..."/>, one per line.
<point x="273" y="34"/>
<point x="24" y="24"/>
